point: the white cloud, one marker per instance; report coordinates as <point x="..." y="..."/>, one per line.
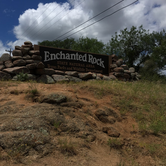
<point x="2" y="48"/>
<point x="51" y="20"/>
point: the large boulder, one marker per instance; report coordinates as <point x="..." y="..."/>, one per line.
<point x="72" y="73"/>
<point x="5" y="57"/>
<point x="53" y="98"/>
<point x="40" y="65"/>
<point x="2" y="67"/>
<point x="60" y="78"/>
<point x="36" y="52"/>
<point x="9" y="64"/>
<point x="27" y="57"/>
<point x="19" y="62"/>
<point x="85" y="76"/>
<point x="28" y="43"/>
<point x="31" y="66"/>
<point x="25" y="50"/>
<point x="5" y="76"/>
<point x="17" y="53"/>
<point x="73" y="79"/>
<point x="18" y="48"/>
<point x="59" y="72"/>
<point x="36" y="57"/>
<point x="16" y="70"/>
<point x="49" y="71"/>
<point x="45" y="79"/>
<point x="16" y="58"/>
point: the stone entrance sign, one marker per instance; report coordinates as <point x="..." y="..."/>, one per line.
<point x="70" y="60"/>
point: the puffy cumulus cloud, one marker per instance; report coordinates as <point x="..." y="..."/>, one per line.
<point x="51" y="20"/>
<point x="150" y="14"/>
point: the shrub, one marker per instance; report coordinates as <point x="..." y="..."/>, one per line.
<point x="22" y="76"/>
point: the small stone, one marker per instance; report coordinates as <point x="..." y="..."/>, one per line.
<point x="119" y="69"/>
<point x="131" y="69"/>
<point x="118" y="74"/>
<point x="127" y="76"/>
<point x="112" y="66"/>
<point x="119" y="62"/>
<point x="106" y="78"/>
<point x="133" y="75"/>
<point x="127" y="71"/>
<point x="112" y="132"/>
<point x="125" y="67"/>
<point x="114" y="57"/>
<point x="100" y="76"/>
<point x="112" y="77"/>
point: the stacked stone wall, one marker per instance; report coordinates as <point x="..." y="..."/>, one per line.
<point x="26" y="59"/>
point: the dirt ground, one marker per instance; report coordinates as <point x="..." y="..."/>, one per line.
<point x="70" y="127"/>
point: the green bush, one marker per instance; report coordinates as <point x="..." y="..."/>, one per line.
<point x="22" y="76"/>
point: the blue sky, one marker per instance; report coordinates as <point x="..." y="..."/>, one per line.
<point x="38" y="20"/>
<point x="10" y="10"/>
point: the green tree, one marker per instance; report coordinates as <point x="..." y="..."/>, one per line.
<point x="159" y="50"/>
<point x="65" y="44"/>
<point x="132" y="45"/>
<point x="89" y="45"/>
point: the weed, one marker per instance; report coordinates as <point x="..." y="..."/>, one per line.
<point x="143" y="128"/>
<point x="67" y="147"/>
<point x="32" y="92"/>
<point x="56" y="125"/>
<point x="121" y="164"/>
<point x="14" y="92"/>
<point x="152" y="148"/>
<point x="115" y="143"/>
<point x="22" y="76"/>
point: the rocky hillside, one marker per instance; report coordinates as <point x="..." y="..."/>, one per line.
<point x="68" y="125"/>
